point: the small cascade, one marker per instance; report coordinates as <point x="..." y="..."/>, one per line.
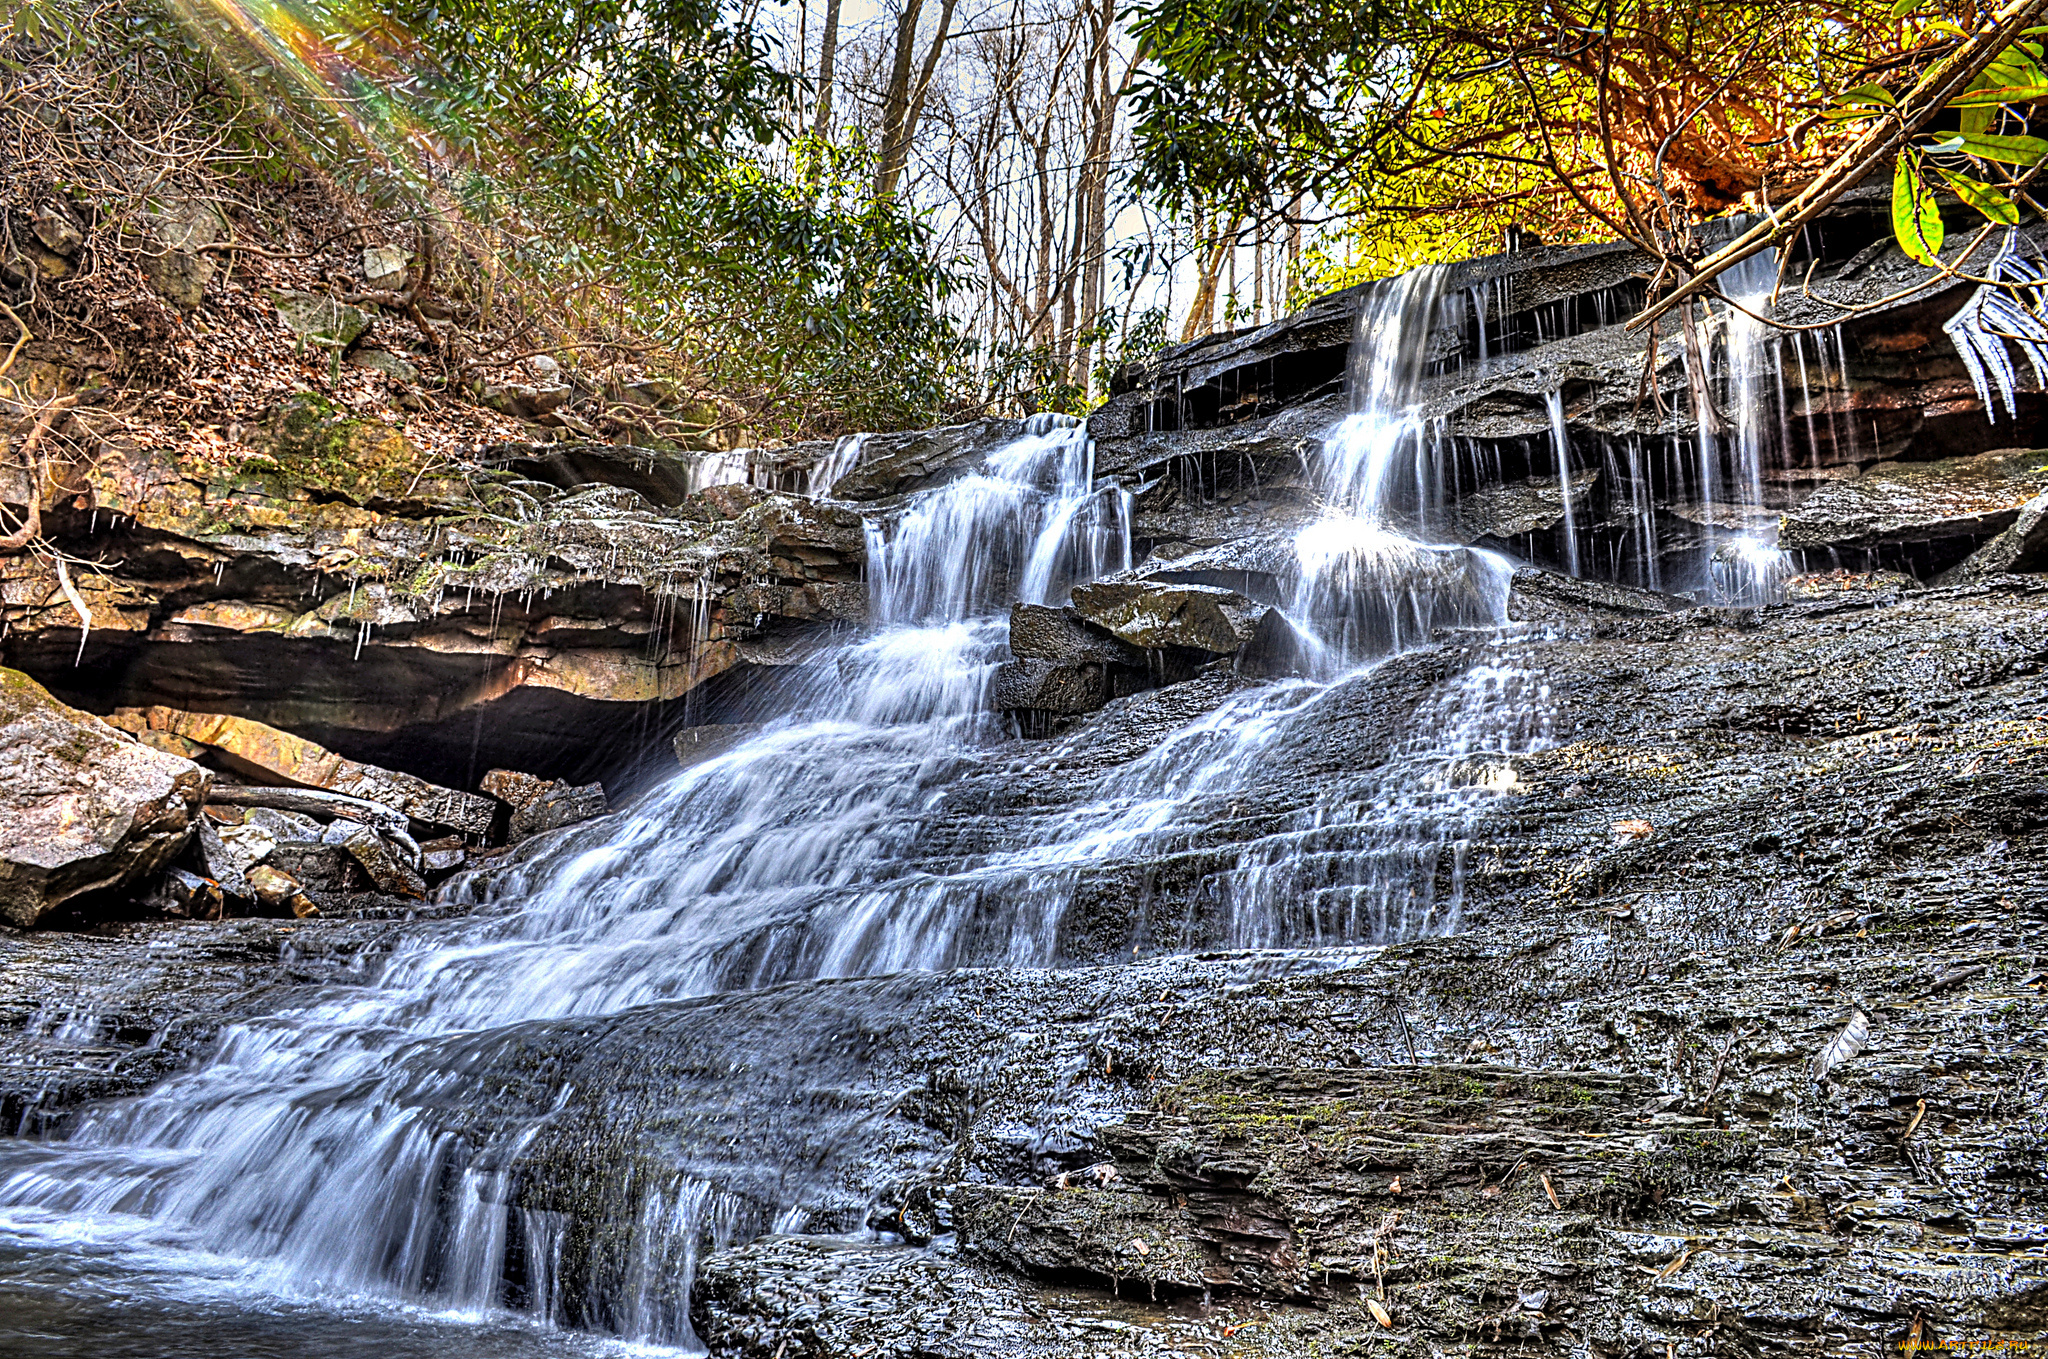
<point x="1744" y="565"/>
<point x="729" y="467"/>
<point x="1561" y="446"/>
<point x="1370" y="583"/>
<point x="825" y="473"/>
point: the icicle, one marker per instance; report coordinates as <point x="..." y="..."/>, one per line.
<point x="1994" y="315"/>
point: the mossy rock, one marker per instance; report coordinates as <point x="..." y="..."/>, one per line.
<point x="320" y="320"/>
<point x="310" y="444"/>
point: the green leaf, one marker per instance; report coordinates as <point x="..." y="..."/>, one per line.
<point x="1901" y="8"/>
<point x="2005" y="150"/>
<point x="1976" y="121"/>
<point x="1869" y="94"/>
<point x="1916" y="222"/>
<point x="1985" y="198"/>
<point x="1999" y="94"/>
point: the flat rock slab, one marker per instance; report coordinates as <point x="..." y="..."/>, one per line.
<point x="1058" y="635"/>
<point x="268" y="752"/>
<point x="83" y="809"/>
<point x="1909" y="502"/>
<point x="1149" y="615"/>
<point x="2023" y="547"/>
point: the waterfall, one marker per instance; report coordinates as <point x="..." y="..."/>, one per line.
<point x="317" y="1142"/>
<point x="1370" y="584"/>
<point x="1744" y="564"/>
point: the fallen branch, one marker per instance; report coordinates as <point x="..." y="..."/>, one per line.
<point x="32" y="525"/>
<point x="312" y="802"/>
<point x="1944" y="81"/>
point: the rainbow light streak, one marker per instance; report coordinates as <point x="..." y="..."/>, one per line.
<point x="338" y="65"/>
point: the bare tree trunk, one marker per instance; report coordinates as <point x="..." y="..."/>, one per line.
<point x="1093" y="239"/>
<point x="826" y="54"/>
<point x="902" y="104"/>
<point x="1259" y="279"/>
<point x="1208" y="272"/>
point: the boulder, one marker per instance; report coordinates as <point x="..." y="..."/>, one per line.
<point x="83" y="808"/>
<point x="2023" y="547"/>
<point x="225" y="864"/>
<point x="1917" y="502"/>
<point x="58" y="228"/>
<point x="543" y="804"/>
<point x="896" y="464"/>
<point x="1261" y="567"/>
<point x="1147" y="614"/>
<point x="275" y="890"/>
<point x="1274" y="650"/>
<point x="1060" y="636"/>
<point x="173" y="265"/>
<point x="1539" y="596"/>
<point x="392" y="874"/>
<point x="1040" y="685"/>
<point x="390" y="365"/>
<point x="273" y="755"/>
<point x="562" y="805"/>
<point x="319" y="320"/>
<point x="384" y="266"/>
<point x="325" y="872"/>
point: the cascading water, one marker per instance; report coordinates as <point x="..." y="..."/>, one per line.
<point x="1369" y="582"/>
<point x="311" y="1141"/>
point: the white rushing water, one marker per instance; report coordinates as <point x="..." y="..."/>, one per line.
<point x="310" y="1141"/>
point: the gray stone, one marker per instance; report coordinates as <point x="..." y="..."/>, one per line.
<point x="58" y="227"/>
<point x="320" y="320"/>
<point x="383" y="361"/>
<point x="83" y="809"/>
<point x="1261" y="566"/>
<point x="896" y="464"/>
<point x="223" y="863"/>
<point x="1150" y="615"/>
<point x="1059" y="635"/>
<point x="1274" y="650"/>
<point x="1041" y="685"/>
<point x="2023" y="547"/>
<point x="286" y="828"/>
<point x="180" y="277"/>
<point x="1539" y="596"/>
<point x="1514" y="508"/>
<point x="1917" y="502"/>
<point x="326" y="872"/>
<point x="50" y="264"/>
<point x="387" y="869"/>
<point x="384" y="266"/>
<point x="174" y="266"/>
<point x="561" y="805"/>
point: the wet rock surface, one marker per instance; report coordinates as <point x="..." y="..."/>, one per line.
<point x="1591" y="1117"/>
<point x="1973" y="497"/>
<point x="343" y="585"/>
<point x="1153" y="616"/>
<point x="84" y="811"/>
<point x="89" y="1016"/>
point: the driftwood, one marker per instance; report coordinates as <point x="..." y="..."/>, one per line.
<point x="313" y="802"/>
